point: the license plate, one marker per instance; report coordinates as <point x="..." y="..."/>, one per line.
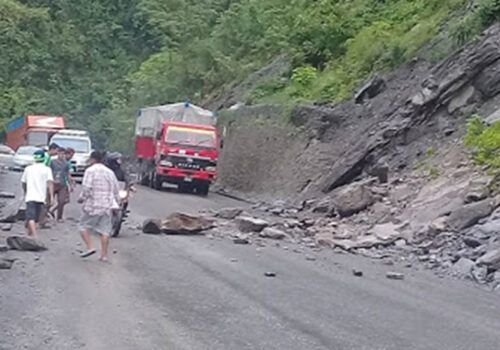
<point x="188" y="179"/>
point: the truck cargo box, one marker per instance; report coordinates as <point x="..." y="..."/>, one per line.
<point x="150" y="119"/>
<point x="34" y="130"/>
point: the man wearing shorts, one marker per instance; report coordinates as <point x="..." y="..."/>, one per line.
<point x="99" y="197"/>
<point x="35" y="180"/>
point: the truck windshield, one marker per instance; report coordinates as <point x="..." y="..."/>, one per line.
<point x="38" y="138"/>
<point x="79" y="145"/>
<point x="190" y="136"/>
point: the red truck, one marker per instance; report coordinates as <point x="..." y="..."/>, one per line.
<point x="177" y="144"/>
<point x="33" y="130"/>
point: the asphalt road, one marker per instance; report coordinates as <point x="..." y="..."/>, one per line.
<point x="165" y="292"/>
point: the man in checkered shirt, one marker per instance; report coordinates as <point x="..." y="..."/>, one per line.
<point x="99" y="197"/>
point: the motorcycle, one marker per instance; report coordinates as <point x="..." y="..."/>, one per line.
<point x="120" y="214"/>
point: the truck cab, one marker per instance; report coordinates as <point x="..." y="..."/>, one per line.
<point x="186" y="155"/>
<point x="78" y="140"/>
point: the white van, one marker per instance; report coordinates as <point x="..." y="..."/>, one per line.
<point x="79" y="140"/>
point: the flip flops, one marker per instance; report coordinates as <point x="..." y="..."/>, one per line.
<point x="87" y="253"/>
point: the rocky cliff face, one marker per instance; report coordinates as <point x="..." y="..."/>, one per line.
<point x="386" y="173"/>
<point x="391" y="120"/>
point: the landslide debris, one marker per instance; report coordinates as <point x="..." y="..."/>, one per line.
<point x="385" y="175"/>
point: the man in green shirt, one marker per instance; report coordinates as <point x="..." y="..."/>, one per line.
<point x="53" y="149"/>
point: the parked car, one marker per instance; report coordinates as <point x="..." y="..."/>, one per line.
<point x="6" y="155"/>
<point x="24" y="156"/>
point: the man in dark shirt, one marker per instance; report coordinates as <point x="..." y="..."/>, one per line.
<point x="60" y="172"/>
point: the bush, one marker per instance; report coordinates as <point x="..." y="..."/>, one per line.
<point x="489" y="12"/>
<point x="304" y="76"/>
<point x="484" y="141"/>
<point x="465" y="30"/>
<point x="266" y="88"/>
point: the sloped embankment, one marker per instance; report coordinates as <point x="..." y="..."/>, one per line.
<point x="385" y="174"/>
<point x="392" y="120"/>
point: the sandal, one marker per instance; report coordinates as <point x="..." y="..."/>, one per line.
<point x="87" y="253"/>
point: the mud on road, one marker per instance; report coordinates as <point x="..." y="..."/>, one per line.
<point x="174" y="292"/>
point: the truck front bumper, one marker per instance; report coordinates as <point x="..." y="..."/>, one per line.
<point x="175" y="175"/>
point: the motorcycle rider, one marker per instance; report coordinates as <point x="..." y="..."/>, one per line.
<point x="114" y="162"/>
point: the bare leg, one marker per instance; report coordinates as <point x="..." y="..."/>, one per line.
<point x="104" y="247"/>
<point x="31" y="225"/>
<point x="61" y="202"/>
<point x="43" y="215"/>
<point x="88" y="241"/>
<point x="60" y="210"/>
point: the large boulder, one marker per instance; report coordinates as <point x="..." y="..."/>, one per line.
<point x="5" y="264"/>
<point x="9" y="210"/>
<point x="353" y="198"/>
<point x="463" y="268"/>
<point x="491" y="258"/>
<point x="229" y="213"/>
<point x="272" y="233"/>
<point x="25" y="243"/>
<point x="386" y="233"/>
<point x="470" y="214"/>
<point x="371" y="88"/>
<point x="152" y="226"/>
<point x="183" y="224"/>
<point x="249" y="224"/>
<point x="177" y="224"/>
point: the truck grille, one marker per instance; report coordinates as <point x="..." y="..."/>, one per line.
<point x="190" y="163"/>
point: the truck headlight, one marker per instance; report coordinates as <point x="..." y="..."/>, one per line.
<point x="123" y="194"/>
<point x="211" y="168"/>
<point x="166" y="163"/>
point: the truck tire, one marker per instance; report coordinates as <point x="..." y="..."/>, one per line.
<point x="144" y="179"/>
<point x="203" y="189"/>
<point x="151" y="180"/>
<point x="157" y="182"/>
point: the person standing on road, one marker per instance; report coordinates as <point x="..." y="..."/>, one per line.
<point x="52" y="152"/>
<point x="36" y="180"/>
<point x="70" y="182"/>
<point x="99" y="197"/>
<point x="60" y="172"/>
<point x="44" y="215"/>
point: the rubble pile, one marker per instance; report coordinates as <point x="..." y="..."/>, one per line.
<point x="449" y="223"/>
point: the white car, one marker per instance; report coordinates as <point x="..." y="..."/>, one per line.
<point x="79" y="141"/>
<point x="24" y="156"/>
<point x="6" y="155"/>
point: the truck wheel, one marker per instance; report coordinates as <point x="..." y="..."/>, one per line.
<point x="144" y="179"/>
<point x="152" y="180"/>
<point x="202" y="189"/>
<point x="157" y="183"/>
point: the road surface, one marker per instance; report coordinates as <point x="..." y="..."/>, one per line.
<point x="194" y="293"/>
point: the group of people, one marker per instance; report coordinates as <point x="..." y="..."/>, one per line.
<point x="48" y="183"/>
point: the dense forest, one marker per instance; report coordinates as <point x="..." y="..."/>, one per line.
<point x="98" y="61"/>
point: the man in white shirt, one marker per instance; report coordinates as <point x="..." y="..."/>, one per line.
<point x="35" y="180"/>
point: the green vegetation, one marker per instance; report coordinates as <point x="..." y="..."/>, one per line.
<point x="484" y="141"/>
<point x="98" y="61"/>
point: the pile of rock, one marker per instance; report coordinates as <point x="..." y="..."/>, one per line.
<point x="450" y="224"/>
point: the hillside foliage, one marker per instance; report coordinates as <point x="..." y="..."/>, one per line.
<point x="98" y="61"/>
